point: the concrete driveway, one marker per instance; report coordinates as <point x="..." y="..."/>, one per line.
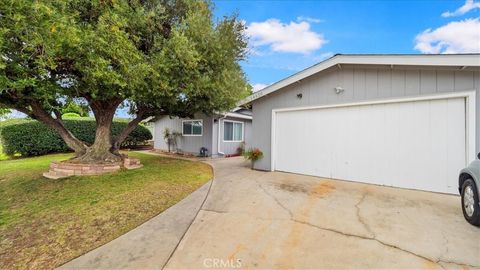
<point x="254" y="219"/>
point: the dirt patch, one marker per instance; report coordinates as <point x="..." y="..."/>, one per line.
<point x="322" y="189"/>
<point x="430" y="266"/>
<point x="389" y="200"/>
<point x="291" y="187"/>
<point x="297" y="231"/>
<point x="317" y="191"/>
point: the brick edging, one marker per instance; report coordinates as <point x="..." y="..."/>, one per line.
<point x="59" y="169"/>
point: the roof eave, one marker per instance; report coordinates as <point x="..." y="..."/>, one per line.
<point x="239" y="115"/>
<point x="459" y="60"/>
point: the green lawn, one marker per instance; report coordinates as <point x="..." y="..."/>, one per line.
<point x="45" y="223"/>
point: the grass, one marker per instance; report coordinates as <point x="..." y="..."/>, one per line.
<point x="45" y="223"/>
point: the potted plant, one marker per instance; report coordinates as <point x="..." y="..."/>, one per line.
<point x="253" y="154"/>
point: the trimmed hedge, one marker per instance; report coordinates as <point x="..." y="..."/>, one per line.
<point x="32" y="138"/>
<point x="70" y="115"/>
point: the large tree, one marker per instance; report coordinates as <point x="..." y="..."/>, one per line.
<point x="154" y="56"/>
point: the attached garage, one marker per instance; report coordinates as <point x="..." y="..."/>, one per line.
<point x="418" y="141"/>
<point x="418" y="144"/>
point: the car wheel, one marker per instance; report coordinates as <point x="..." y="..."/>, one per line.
<point x="470" y="207"/>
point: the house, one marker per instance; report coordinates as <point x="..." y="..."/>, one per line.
<point x="410" y="121"/>
<point x="221" y="134"/>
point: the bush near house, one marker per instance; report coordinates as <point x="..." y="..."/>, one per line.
<point x="32" y="138"/>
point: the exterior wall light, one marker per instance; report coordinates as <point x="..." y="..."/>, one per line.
<point x="339" y="89"/>
<point x="299" y="96"/>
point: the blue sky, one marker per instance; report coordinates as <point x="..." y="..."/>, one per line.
<point x="288" y="36"/>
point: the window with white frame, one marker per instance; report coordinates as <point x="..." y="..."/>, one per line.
<point x="192" y="127"/>
<point x="232" y="131"/>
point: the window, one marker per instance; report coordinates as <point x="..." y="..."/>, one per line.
<point x="192" y="128"/>
<point x="232" y="131"/>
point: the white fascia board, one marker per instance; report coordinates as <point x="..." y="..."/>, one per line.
<point x="222" y="114"/>
<point x="238" y="115"/>
<point x="413" y="60"/>
<point x="460" y="60"/>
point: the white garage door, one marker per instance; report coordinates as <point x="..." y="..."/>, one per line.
<point x="418" y="145"/>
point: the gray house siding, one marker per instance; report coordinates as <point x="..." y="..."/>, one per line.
<point x="209" y="138"/>
<point x="187" y="144"/>
<point x="361" y="83"/>
<point x="248" y="134"/>
<point x="160" y="125"/>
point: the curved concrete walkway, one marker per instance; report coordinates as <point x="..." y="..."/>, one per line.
<point x="273" y="220"/>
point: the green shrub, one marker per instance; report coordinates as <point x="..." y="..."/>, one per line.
<point x="253" y="154"/>
<point x="32" y="138"/>
<point x="14" y="121"/>
<point x="70" y="115"/>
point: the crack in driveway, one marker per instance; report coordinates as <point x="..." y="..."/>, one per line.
<point x="367" y="227"/>
<point x="360" y="218"/>
<point x="275" y="199"/>
<point x="438" y="261"/>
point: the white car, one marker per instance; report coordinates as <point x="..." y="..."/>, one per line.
<point x="468" y="186"/>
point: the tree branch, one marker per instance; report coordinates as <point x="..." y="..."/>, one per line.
<point x="43" y="116"/>
<point x="141" y="114"/>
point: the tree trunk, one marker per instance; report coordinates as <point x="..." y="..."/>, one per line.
<point x="126" y="131"/>
<point x="100" y="150"/>
<point x="103" y="150"/>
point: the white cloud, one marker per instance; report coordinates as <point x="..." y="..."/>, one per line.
<point x="281" y="37"/>
<point x="309" y="19"/>
<point x="258" y="86"/>
<point x="454" y="37"/>
<point x="469" y="5"/>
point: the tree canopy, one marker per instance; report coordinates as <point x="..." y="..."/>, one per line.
<point x="157" y="56"/>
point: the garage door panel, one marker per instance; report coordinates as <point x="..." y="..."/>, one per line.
<point x="375" y="143"/>
<point x="456" y="140"/>
<point x="318" y="133"/>
<point x="418" y="145"/>
<point x="439" y="141"/>
<point x="393" y="117"/>
<point x="414" y="146"/>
